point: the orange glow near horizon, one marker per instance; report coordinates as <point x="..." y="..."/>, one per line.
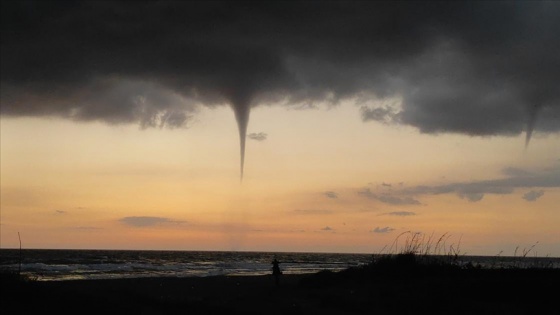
<point x="323" y="181"/>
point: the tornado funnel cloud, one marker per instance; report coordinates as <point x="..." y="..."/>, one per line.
<point x="242" y="112"/>
<point x="529" y="134"/>
<point x="531" y="124"/>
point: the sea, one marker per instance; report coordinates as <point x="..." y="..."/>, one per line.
<point x="61" y="265"/>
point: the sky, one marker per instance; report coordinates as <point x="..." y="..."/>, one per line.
<point x="280" y="126"/>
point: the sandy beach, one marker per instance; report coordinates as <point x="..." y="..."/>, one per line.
<point x="466" y="292"/>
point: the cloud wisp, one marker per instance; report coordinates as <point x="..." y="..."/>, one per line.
<point x="391" y="199"/>
<point x="400" y="213"/>
<point x="383" y="230"/>
<point x="312" y="211"/>
<point x="88" y="228"/>
<point x="147" y="221"/>
<point x="261" y="136"/>
<point x="331" y="194"/>
<point x="154" y="62"/>
<point x="533" y="195"/>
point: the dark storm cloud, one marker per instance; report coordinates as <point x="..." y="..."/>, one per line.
<point x="140" y="221"/>
<point x="477" y="68"/>
<point x="515" y="179"/>
<point x="261" y="136"/>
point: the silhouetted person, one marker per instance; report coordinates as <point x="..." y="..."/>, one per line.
<point x="276" y="272"/>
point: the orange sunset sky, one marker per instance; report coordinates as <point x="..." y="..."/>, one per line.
<point x="133" y="143"/>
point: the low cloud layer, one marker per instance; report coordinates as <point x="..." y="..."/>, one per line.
<point x="514" y="179"/>
<point x="475" y="68"/>
<point x="533" y="182"/>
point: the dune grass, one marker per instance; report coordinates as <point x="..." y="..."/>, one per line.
<point x="420" y="248"/>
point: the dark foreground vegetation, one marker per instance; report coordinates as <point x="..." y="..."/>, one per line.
<point x="404" y="283"/>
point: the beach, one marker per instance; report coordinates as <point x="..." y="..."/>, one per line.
<point x="464" y="292"/>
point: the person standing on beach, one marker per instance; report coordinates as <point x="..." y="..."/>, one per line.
<point x="276" y="272"/>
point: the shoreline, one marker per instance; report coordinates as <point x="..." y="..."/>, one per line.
<point x="465" y="292"/>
